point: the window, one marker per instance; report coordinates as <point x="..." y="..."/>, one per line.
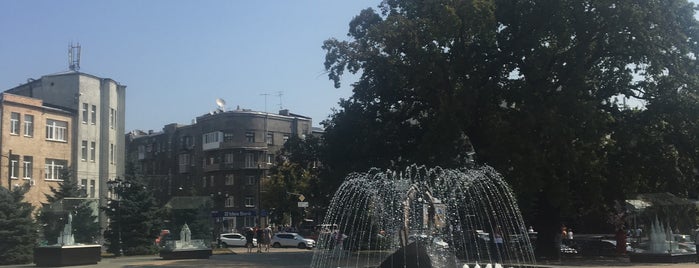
<point x="92" y="188"/>
<point x="228" y="136"/>
<point x="270" y="158"/>
<point x="14" y="166"/>
<point x="85" y="105"/>
<point x="270" y="138"/>
<point x="111" y="153"/>
<point x="250" y="160"/>
<point x="250" y="180"/>
<point x="228" y="158"/>
<point x="83" y="151"/>
<point x="53" y="169"/>
<point x="92" y="151"/>
<point x="230" y="202"/>
<point x="56" y="130"/>
<point x="14" y="123"/>
<point x="112" y="118"/>
<point x="93" y="112"/>
<point x="83" y="186"/>
<point x="250" y="136"/>
<point x="184" y="162"/>
<point x="27" y="167"/>
<point x="230" y="179"/>
<point x="249" y="202"/>
<point x="211" y="181"/>
<point x="211" y="137"/>
<point x="286" y="137"/>
<point x="28" y="125"/>
<point x="203" y="182"/>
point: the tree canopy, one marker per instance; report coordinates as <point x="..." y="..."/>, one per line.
<point x="540" y="90"/>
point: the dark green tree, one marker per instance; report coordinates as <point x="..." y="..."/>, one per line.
<point x="535" y="88"/>
<point x="17" y="227"/>
<point x="296" y="173"/>
<point x="69" y="198"/>
<point x="134" y="217"/>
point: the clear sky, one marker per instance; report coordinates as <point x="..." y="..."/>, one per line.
<point x="177" y="57"/>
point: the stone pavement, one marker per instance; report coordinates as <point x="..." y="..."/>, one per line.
<point x="298" y="258"/>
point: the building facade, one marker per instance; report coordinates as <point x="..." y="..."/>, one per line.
<point x="97" y="134"/>
<point x="35" y="145"/>
<point x="223" y="155"/>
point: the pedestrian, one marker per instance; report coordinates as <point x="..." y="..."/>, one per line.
<point x="570" y="233"/>
<point x="499" y="241"/>
<point x="267" y="237"/>
<point x="259" y="234"/>
<point x="696" y="241"/>
<point x="249" y="234"/>
<point x="620" y="241"/>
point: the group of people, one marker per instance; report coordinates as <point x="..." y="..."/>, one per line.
<point x="263" y="236"/>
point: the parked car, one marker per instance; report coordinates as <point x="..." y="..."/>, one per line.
<point x="292" y="240"/>
<point x="234" y="240"/>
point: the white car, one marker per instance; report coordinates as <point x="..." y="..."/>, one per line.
<point x="234" y="240"/>
<point x="292" y="240"/>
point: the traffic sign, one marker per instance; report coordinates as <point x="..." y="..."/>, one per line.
<point x="303" y="204"/>
<point x="301" y="198"/>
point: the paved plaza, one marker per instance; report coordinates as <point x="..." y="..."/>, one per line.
<point x="298" y="258"/>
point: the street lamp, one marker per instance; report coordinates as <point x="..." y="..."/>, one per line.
<point x="117" y="187"/>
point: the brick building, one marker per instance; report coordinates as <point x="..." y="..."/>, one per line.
<point x="35" y="145"/>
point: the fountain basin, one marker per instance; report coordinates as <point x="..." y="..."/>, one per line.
<point x="56" y="256"/>
<point x="649" y="257"/>
<point x="185" y="254"/>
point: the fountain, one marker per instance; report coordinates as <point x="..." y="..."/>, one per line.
<point x="186" y="247"/>
<point x="424" y="218"/>
<point x="662" y="247"/>
<point x="66" y="252"/>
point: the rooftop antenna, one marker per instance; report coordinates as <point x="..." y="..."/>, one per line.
<point x="74" y="57"/>
<point x="279" y="94"/>
<point x="265" y="94"/>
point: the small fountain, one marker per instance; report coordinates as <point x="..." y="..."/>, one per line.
<point x="662" y="247"/>
<point x="424" y="218"/>
<point x="66" y="252"/>
<point x="186" y="247"/>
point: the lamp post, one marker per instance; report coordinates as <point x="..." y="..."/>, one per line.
<point x="259" y="196"/>
<point x="219" y="198"/>
<point x="117" y="187"/>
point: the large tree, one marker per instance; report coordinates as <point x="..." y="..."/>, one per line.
<point x="535" y="87"/>
<point x="17" y="227"/>
<point x="134" y="217"/>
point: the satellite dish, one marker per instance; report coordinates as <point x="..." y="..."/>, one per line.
<point x="220" y="102"/>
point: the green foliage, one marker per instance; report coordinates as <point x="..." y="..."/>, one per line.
<point x="64" y="200"/>
<point x="17" y="227"/>
<point x="535" y="88"/>
<point x="134" y="217"/>
<point x="296" y="173"/>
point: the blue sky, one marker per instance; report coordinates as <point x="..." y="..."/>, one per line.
<point x="177" y="57"/>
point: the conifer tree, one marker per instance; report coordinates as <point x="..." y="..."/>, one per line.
<point x="134" y="217"/>
<point x="68" y="198"/>
<point x="18" y="230"/>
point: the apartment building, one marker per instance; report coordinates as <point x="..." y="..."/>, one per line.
<point x="35" y="145"/>
<point x="222" y="155"/>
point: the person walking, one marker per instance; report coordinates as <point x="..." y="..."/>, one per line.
<point x="249" y="234"/>
<point x="696" y="241"/>
<point x="259" y="234"/>
<point x="267" y="233"/>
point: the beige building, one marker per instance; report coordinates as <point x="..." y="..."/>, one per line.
<point x="35" y="145"/>
<point x="97" y="136"/>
